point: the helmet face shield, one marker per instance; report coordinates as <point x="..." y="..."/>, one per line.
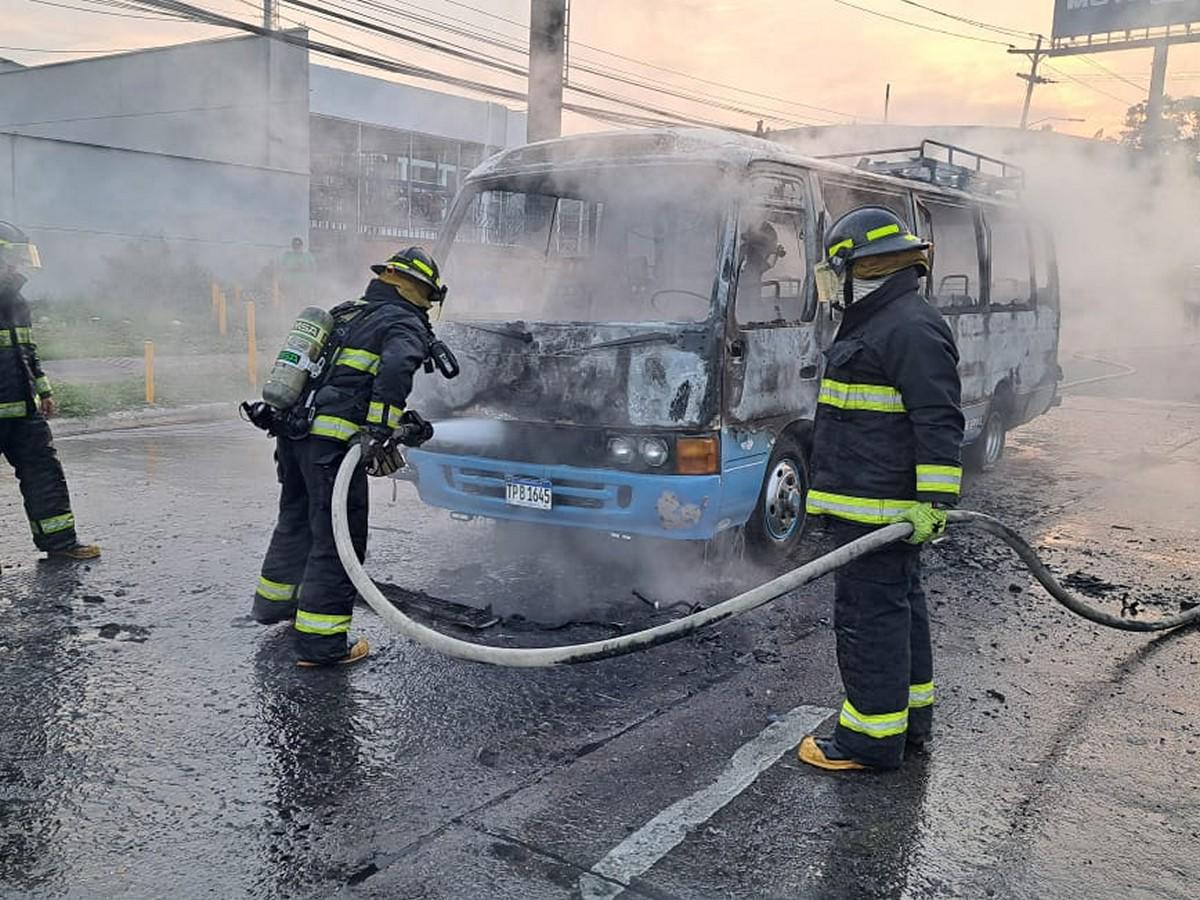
<point x="20" y="256"/>
<point x="831" y="283"/>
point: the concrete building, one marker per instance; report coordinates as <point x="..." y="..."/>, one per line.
<point x="217" y="153"/>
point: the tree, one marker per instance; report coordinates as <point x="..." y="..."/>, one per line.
<point x="1180" y="130"/>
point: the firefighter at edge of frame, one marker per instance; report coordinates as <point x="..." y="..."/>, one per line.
<point x="376" y="347"/>
<point x="26" y="402"/>
<point x="891" y="390"/>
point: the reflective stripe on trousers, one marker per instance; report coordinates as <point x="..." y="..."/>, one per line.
<point x="319" y="623"/>
<point x="276" y="590"/>
<point x="884" y="725"/>
<point x="920" y="695"/>
<point x="54" y="524"/>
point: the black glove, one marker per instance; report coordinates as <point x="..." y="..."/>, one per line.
<point x="380" y="451"/>
<point x="413" y="430"/>
<point x="261" y="415"/>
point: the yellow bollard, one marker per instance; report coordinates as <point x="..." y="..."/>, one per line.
<point x="149" y="352"/>
<point x="215" y="301"/>
<point x="251" y="346"/>
<point x="276" y="301"/>
<point x="222" y="323"/>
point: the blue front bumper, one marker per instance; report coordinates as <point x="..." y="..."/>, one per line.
<point x="678" y="507"/>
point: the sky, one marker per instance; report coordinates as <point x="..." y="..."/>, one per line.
<point x="790" y="62"/>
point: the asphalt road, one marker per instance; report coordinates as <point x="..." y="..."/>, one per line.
<point x="154" y="742"/>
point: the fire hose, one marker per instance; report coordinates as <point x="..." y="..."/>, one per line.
<point x="543" y="657"/>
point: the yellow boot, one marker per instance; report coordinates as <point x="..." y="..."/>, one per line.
<point x="358" y="651"/>
<point x="823" y="754"/>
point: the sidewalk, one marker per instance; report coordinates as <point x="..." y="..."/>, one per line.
<point x="145" y="418"/>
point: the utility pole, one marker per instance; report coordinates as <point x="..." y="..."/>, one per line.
<point x="1032" y="80"/>
<point x="887" y="104"/>
<point x="1155" y="103"/>
<point x="271" y="15"/>
<point x="547" y="67"/>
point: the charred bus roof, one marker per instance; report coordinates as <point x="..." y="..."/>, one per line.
<point x="937" y="168"/>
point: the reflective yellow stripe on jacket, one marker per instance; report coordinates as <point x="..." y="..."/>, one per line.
<point x="16" y="410"/>
<point x="24" y="336"/>
<point x="866" y="397"/>
<point x="42" y="386"/>
<point x="864" y="510"/>
<point x="333" y="427"/>
<point x="360" y="360"/>
<point x="384" y="414"/>
<point x="939" y="479"/>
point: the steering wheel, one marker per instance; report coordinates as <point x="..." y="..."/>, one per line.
<point x="696" y="294"/>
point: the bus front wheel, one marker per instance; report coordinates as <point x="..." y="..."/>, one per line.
<point x="777" y="523"/>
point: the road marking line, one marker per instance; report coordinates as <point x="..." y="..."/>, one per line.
<point x="635" y="855"/>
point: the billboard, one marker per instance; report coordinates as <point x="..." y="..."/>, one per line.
<point x="1073" y="18"/>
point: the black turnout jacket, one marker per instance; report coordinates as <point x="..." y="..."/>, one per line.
<point x="377" y="346"/>
<point x="889" y="423"/>
<point x="21" y="375"/>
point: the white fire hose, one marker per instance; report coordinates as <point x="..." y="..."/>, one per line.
<point x="544" y="657"/>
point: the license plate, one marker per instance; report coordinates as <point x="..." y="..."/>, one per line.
<point x="528" y="493"/>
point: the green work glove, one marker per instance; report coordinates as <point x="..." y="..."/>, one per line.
<point x="927" y="521"/>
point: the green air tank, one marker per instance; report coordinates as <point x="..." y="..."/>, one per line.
<point x="298" y="358"/>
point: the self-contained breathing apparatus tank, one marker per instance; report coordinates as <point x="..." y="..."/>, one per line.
<point x="299" y="359"/>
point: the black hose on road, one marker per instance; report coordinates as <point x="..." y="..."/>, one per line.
<point x="541" y="657"/>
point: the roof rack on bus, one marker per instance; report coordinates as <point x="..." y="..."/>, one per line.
<point x="944" y="165"/>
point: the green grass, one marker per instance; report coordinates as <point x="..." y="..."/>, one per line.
<point x="99" y="399"/>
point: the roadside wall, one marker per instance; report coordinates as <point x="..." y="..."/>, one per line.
<point x="198" y="152"/>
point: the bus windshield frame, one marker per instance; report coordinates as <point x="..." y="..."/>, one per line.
<point x="611" y="244"/>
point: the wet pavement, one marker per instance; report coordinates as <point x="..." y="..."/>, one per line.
<point x="155" y="742"/>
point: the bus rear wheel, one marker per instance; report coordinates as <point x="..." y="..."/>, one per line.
<point x="778" y="520"/>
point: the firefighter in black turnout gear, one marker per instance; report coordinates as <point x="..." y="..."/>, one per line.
<point x="377" y="345"/>
<point x="26" y="401"/>
<point x="886" y="448"/>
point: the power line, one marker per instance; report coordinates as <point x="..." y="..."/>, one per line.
<point x="898" y="20"/>
<point x="394" y="66"/>
<point x="1082" y="83"/>
<point x="428" y="42"/>
<point x="104" y="12"/>
<point x="46" y="50"/>
<point x="600" y="69"/>
<point x="1096" y="64"/>
<point x="986" y="26"/>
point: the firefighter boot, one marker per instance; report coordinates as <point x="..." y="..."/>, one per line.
<point x="358" y="651"/>
<point x="76" y="553"/>
<point x="824" y="754"/>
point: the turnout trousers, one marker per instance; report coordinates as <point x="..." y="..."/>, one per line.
<point x="885" y="656"/>
<point x="29" y="448"/>
<point x="302" y="575"/>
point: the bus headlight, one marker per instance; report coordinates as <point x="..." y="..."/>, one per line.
<point x="622" y="450"/>
<point x="654" y="451"/>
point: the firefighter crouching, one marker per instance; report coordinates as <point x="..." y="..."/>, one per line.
<point x="360" y="383"/>
<point x="26" y="401"/>
<point x="886" y="448"/>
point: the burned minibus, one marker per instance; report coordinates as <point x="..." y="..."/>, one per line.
<point x="640" y="337"/>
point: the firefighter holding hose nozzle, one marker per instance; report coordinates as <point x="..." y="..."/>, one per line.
<point x="886" y="448"/>
<point x="344" y="375"/>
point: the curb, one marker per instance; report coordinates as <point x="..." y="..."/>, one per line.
<point x="148" y="418"/>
